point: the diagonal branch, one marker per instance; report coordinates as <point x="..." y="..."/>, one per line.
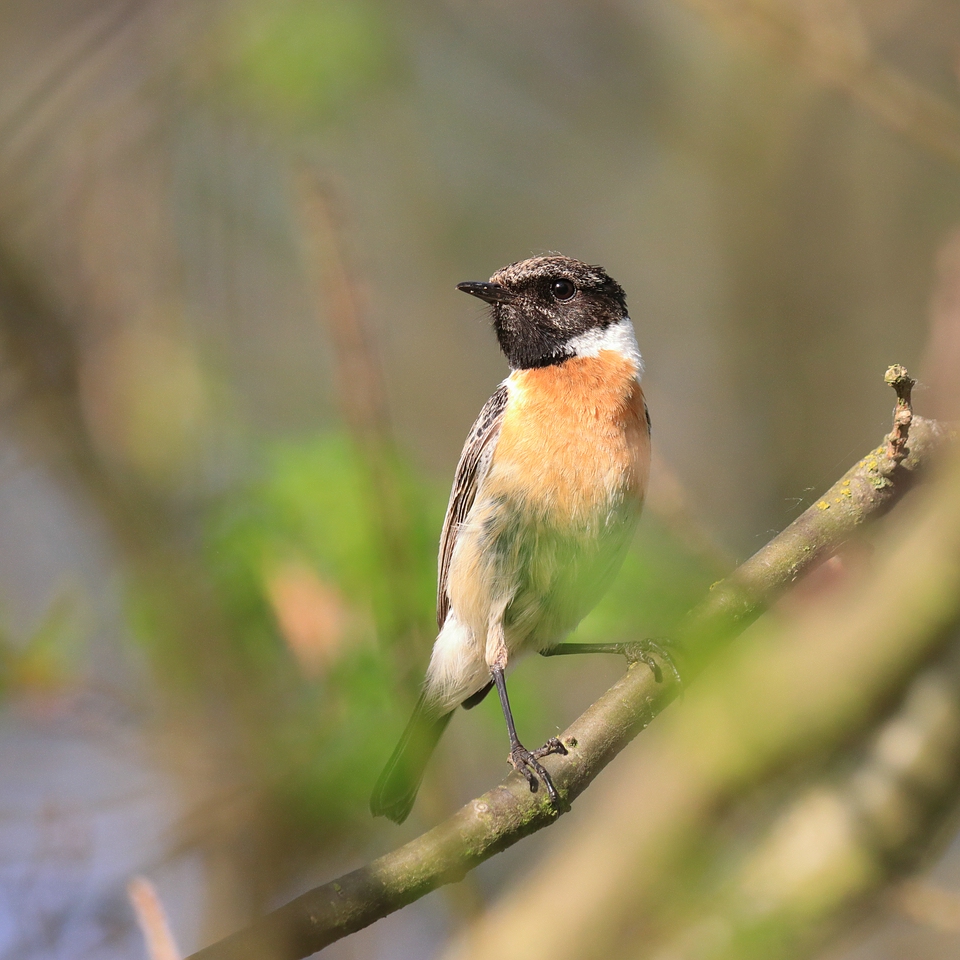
<point x="509" y="812"/>
<point x="874" y="815"/>
<point x="789" y="692"/>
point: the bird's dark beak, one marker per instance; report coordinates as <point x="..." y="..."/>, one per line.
<point x="491" y="292"/>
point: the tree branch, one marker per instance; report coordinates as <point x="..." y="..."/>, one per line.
<point x="509" y="812"/>
<point x="898" y="378"/>
<point x="789" y="690"/>
<point x="859" y="827"/>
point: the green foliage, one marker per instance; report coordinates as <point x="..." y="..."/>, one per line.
<point x="302" y="60"/>
<point x="319" y="731"/>
<point x="45" y="661"/>
<point x="314" y="504"/>
<point x="306" y="656"/>
<point x="660" y="581"/>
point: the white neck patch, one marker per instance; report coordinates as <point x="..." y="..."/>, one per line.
<point x="618" y="337"/>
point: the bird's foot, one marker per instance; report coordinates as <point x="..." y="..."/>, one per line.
<point x="553" y="745"/>
<point x="528" y="764"/>
<point x="647" y="651"/>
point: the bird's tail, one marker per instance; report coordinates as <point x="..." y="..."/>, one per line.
<point x="397" y="786"/>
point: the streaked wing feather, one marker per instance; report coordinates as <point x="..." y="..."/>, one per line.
<point x="471" y="470"/>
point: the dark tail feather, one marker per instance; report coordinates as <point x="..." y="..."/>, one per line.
<point x="477" y="697"/>
<point x="397" y="786"/>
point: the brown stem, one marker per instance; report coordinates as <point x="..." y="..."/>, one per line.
<point x="898" y="378"/>
<point x="362" y="403"/>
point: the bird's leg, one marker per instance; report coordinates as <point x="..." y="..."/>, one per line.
<point x="525" y="761"/>
<point x="637" y="651"/>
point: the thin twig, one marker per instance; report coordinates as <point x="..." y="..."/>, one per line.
<point x="341" y="304"/>
<point x="362" y="401"/>
<point x="509" y="812"/>
<point x="152" y="920"/>
<point x="111" y="24"/>
<point x="898" y="378"/>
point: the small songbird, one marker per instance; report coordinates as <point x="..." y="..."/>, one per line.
<point x="545" y="501"/>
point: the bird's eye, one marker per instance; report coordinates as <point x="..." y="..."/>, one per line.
<point x="562" y="289"/>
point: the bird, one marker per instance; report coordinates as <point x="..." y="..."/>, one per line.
<point x="545" y="501"/>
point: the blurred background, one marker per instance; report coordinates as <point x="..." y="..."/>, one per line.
<point x="235" y="377"/>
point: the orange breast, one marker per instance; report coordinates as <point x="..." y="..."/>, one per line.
<point x="574" y="438"/>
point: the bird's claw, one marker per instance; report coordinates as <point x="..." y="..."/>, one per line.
<point x="647" y="651"/>
<point x="553" y="745"/>
<point x="527" y="763"/>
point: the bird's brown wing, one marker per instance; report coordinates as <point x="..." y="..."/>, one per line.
<point x="471" y="470"/>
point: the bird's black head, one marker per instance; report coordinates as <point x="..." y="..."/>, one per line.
<point x="542" y="304"/>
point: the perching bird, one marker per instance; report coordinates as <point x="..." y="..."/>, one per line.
<point x="545" y="500"/>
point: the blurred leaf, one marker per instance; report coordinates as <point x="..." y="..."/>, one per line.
<point x="311" y="614"/>
<point x="147" y="400"/>
<point x="301" y="59"/>
<point x="312" y="506"/>
<point x="660" y="581"/>
<point x="42" y="664"/>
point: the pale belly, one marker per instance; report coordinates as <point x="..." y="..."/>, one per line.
<point x="540" y="578"/>
<point x="538" y="581"/>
